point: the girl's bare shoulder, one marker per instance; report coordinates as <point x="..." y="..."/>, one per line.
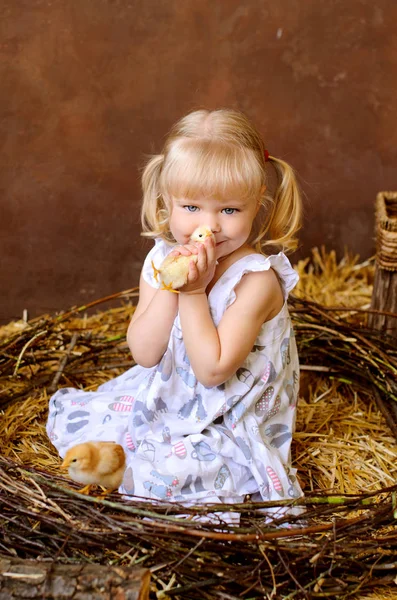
<point x="262" y="292"/>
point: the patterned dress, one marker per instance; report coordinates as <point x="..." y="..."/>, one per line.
<point x="190" y="443"/>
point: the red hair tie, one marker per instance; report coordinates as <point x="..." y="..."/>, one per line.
<point x="267" y="155"/>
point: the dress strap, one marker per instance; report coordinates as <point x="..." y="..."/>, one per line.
<point x="255" y="263"/>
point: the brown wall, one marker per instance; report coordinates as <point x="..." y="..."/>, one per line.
<point x="89" y="87"/>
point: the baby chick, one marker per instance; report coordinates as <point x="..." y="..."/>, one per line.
<point x="96" y="463"/>
<point x="174" y="270"/>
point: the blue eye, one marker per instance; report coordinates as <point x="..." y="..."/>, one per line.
<point x="191" y="208"/>
<point x="229" y="211"/>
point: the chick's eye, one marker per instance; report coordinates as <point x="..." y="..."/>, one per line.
<point x="229" y="211"/>
<point x="74" y="460"/>
<point x="191" y="208"/>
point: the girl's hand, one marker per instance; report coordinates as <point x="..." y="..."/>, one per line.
<point x="186" y="250"/>
<point x="202" y="271"/>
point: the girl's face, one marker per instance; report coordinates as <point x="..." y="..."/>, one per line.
<point x="230" y="221"/>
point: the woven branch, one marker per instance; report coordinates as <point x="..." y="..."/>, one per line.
<point x="335" y="547"/>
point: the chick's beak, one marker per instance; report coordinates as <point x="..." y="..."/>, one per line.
<point x="65" y="465"/>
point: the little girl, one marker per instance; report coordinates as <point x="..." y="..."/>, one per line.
<point x="208" y="412"/>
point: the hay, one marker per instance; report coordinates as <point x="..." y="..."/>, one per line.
<point x="344" y="542"/>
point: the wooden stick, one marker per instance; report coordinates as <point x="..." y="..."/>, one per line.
<point x="385" y="412"/>
<point x="32" y="579"/>
<point x="62" y="364"/>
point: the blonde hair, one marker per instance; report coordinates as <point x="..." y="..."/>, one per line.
<point x="220" y="154"/>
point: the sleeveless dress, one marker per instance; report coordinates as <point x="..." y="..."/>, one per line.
<point x="186" y="442"/>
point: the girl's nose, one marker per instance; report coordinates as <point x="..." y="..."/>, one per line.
<point x="213" y="224"/>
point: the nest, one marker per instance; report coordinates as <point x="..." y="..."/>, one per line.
<point x="342" y="542"/>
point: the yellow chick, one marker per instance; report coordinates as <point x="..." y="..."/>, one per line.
<point x="96" y="463"/>
<point x="174" y="270"/>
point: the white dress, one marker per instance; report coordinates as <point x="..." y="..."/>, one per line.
<point x="186" y="442"/>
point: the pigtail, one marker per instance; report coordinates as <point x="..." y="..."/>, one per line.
<point x="284" y="210"/>
<point x="154" y="214"/>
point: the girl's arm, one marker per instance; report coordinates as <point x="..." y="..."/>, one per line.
<point x="216" y="353"/>
<point x="150" y="327"/>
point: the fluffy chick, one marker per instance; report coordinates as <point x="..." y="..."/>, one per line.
<point x="174" y="270"/>
<point x="96" y="463"/>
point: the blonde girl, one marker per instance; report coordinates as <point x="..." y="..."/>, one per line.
<point x="208" y="412"/>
